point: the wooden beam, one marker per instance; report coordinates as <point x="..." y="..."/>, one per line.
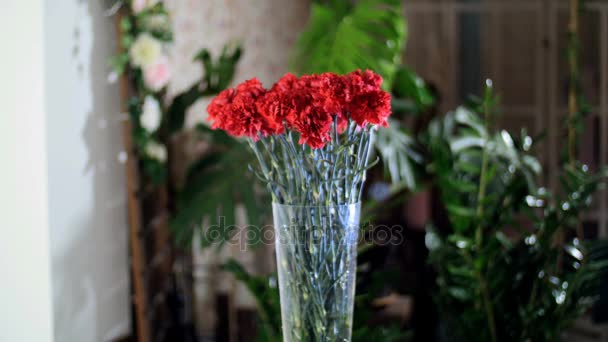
<point x="134" y="209"/>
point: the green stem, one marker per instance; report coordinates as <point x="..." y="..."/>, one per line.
<point x="485" y="292"/>
<point x="573" y="91"/>
<point x="265" y="169"/>
<point x="484" y="168"/>
<point x="488" y="306"/>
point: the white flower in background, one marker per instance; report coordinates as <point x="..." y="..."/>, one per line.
<point x="151" y="116"/>
<point x="140" y="5"/>
<point x="145" y="51"/>
<point x="157" y="74"/>
<point x="156" y="151"/>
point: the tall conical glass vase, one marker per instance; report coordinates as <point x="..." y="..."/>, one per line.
<point x="316" y="248"/>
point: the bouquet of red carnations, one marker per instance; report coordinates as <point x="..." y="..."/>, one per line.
<point x="312" y="138"/>
<point x="329" y="116"/>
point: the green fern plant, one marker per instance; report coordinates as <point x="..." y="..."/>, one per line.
<point x="342" y="36"/>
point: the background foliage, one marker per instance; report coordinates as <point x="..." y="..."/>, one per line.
<point x="343" y="36"/>
<point x="501" y="274"/>
<point x="510" y="266"/>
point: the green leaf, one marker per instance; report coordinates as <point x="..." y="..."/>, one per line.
<point x="466" y="117"/>
<point x="461" y="271"/>
<point x="395" y="149"/>
<point x="367" y="35"/>
<point x="459" y="293"/>
<point x="176" y="113"/>
<point x="125" y="24"/>
<point x="455" y="209"/>
<point x="217" y="76"/>
<point x="411" y="86"/>
<point x="119" y="63"/>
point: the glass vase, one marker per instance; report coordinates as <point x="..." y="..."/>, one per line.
<point x="316" y="249"/>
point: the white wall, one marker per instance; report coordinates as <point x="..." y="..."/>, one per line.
<point x="63" y="251"/>
<point x="86" y="197"/>
<point x="25" y="303"/>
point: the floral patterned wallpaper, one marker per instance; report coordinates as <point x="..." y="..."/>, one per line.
<point x="267" y="30"/>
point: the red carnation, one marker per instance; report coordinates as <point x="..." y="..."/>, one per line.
<point x="235" y="110"/>
<point x="219" y="106"/>
<point x="314" y="126"/>
<point x="314" y="108"/>
<point x="288" y="82"/>
<point x="300" y="104"/>
<point x="251" y="88"/>
<point x="275" y="110"/>
<point x="337" y="92"/>
<point x="307" y="105"/>
<point x="371" y="108"/>
<point x="335" y="87"/>
<point x="362" y="82"/>
<point x="369" y="104"/>
<point x="280" y="104"/>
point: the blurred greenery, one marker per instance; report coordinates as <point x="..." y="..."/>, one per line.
<point x="501" y="274"/>
<point x="410" y="93"/>
<point x="215" y="185"/>
<point x="342" y="36"/>
<point x="509" y="265"/>
<point x="216" y="182"/>
<point x="512" y="265"/>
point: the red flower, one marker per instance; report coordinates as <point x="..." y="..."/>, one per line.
<point x="219" y="106"/>
<point x="362" y="82"/>
<point x="334" y="94"/>
<point x="279" y="105"/>
<point x="314" y="125"/>
<point x="369" y="104"/>
<point x="315" y="106"/>
<point x="300" y="104"/>
<point x="251" y="88"/>
<point x="373" y="107"/>
<point x="274" y="109"/>
<point x="235" y="110"/>
<point x="307" y="105"/>
<point x="288" y="82"/>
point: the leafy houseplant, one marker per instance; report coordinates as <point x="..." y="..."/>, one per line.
<point x="501" y="275"/>
<point x="311" y="136"/>
<point x="342" y="36"/>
